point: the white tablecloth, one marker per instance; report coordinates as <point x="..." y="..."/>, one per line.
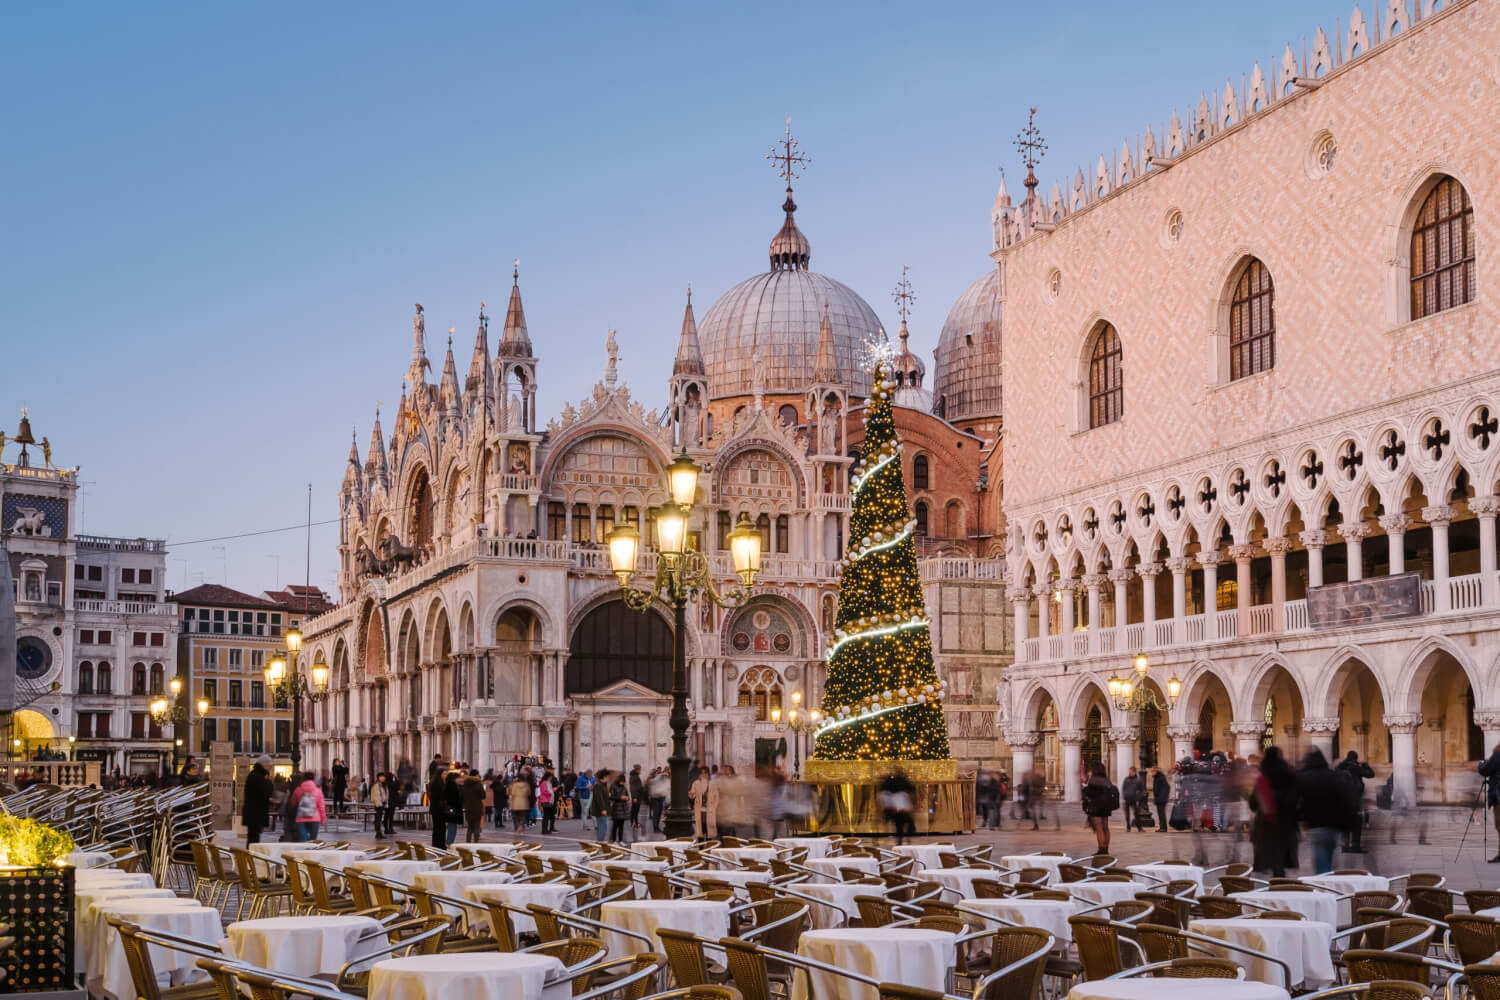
<point x="634" y="867"/>
<point x="957" y="882"/>
<point x="393" y="871"/>
<point x="571" y="857"/>
<point x="1320" y="906"/>
<point x="452" y="883"/>
<point x="837" y="900"/>
<point x="111" y="878"/>
<point x="830" y="867"/>
<point x="1170" y="873"/>
<point x="108" y="973"/>
<point x="736" y="877"/>
<point x="304" y="946"/>
<point x="1104" y="892"/>
<point x="1174" y="989"/>
<point x="521" y="895"/>
<point x="1047" y="861"/>
<point x="273" y="850"/>
<point x="702" y="917"/>
<point x="89" y="859"/>
<point x="1301" y="944"/>
<point x="1050" y="915"/>
<point x="817" y="847"/>
<point x="85" y="897"/>
<point x="741" y="854"/>
<point x="468" y="975"/>
<point x="1347" y="884"/>
<point x="327" y="857"/>
<point x="885" y="954"/>
<point x="926" y="854"/>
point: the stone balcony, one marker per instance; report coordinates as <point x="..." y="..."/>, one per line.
<point x="1455" y="595"/>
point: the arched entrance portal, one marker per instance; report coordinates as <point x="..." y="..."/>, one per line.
<point x="512" y="677"/>
<point x="1448" y="743"/>
<point x="31" y="733"/>
<point x="619" y="671"/>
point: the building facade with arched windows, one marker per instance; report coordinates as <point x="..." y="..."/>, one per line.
<point x="1267" y="453"/>
<point x="477" y="614"/>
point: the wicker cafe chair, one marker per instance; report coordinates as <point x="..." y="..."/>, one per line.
<point x="1071" y="873"/>
<point x="1381" y="989"/>
<point x="1018" y="959"/>
<point x="1425" y="880"/>
<point x="259" y="892"/>
<point x="1365" y="965"/>
<point x="686" y="958"/>
<point x="143" y="972"/>
<point x="1036" y="876"/>
<point x="988" y="888"/>
<point x="234" y="980"/>
<point x="1161" y="943"/>
<point x="323" y="899"/>
<point x="1219" y="908"/>
<point x="1475" y="938"/>
<point x="1430" y="902"/>
<point x="1483" y="981"/>
<point x="1377" y="899"/>
<point x="1098" y="944"/>
<point x="420" y="936"/>
<point x="1231" y="884"/>
<point x="1200" y="967"/>
<point x="1481" y="899"/>
<point x="704" y="992"/>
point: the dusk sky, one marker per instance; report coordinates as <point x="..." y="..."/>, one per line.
<point x="217" y="218"/>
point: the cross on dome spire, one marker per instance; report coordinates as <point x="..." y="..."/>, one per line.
<point x="1032" y="147"/>
<point x="790" y="161"/>
<point x="903" y="295"/>
<point x="790" y="250"/>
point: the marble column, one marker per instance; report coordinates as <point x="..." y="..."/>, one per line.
<point x="1439" y="516"/>
<point x="482" y="746"/>
<point x="1242" y="554"/>
<point x="1395" y="526"/>
<point x="1313" y="542"/>
<point x="1485" y="508"/>
<point x="1094" y="581"/>
<point x="1403" y="729"/>
<point x="1020" y="601"/>
<point x="1278" y="548"/>
<point x="1022" y="753"/>
<point x="1067" y="588"/>
<point x="1121" y="579"/>
<point x="1489" y="722"/>
<point x="1320" y="732"/>
<point x="1148" y="574"/>
<point x="1043" y="594"/>
<point x="1247" y="734"/>
<point x="1354" y="536"/>
<point x="1179" y="565"/>
<point x="1209" y="560"/>
<point x="1072" y="782"/>
<point x="1182" y="737"/>
<point x="1126" y="751"/>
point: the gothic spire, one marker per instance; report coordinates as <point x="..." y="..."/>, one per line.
<point x="375" y="464"/>
<point x="354" y="447"/>
<point x="827" y="369"/>
<point x="689" y="354"/>
<point x="479" y="365"/>
<point x="514" y="342"/>
<point x="448" y="388"/>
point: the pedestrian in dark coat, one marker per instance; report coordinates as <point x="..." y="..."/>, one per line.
<point x="256" y="812"/>
<point x="1273" y="831"/>
<point x="474" y="805"/>
<point x="1355" y="771"/>
<point x="1161" y="791"/>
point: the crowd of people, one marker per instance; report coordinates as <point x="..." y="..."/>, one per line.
<point x="1263" y="797"/>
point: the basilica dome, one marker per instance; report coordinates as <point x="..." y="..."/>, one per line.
<point x="966" y="380"/>
<point x="779" y="313"/>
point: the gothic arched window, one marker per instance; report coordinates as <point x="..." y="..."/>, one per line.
<point x="1106" y="380"/>
<point x="783" y="533"/>
<point x="104" y="681"/>
<point x="724" y="528"/>
<point x="920" y="477"/>
<point x="760" y="689"/>
<point x="1252" y="322"/>
<point x="85" y="677"/>
<point x="921" y="517"/>
<point x="1442" y="250"/>
<point x="138" y="679"/>
<point x="158" y="679"/>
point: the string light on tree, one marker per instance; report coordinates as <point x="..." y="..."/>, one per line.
<point x="883" y="698"/>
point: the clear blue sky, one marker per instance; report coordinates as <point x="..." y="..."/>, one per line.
<point x="216" y="218"/>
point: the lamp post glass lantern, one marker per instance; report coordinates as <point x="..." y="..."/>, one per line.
<point x="797" y="722"/>
<point x="682" y="573"/>
<point x="170" y="711"/>
<point x="284" y="682"/>
<point x="1134" y="695"/>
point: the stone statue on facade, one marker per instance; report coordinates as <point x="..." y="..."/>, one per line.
<point x="612" y="352"/>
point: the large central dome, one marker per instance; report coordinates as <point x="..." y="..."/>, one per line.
<point x="779" y="313"/>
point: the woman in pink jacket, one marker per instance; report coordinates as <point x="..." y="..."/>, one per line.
<point x="309" y="809"/>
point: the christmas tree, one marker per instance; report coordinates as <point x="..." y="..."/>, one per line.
<point x="882" y="699"/>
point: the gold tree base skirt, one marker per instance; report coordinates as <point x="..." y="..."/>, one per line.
<point x="846" y="796"/>
<point x="818" y="770"/>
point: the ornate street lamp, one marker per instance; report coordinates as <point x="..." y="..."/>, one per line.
<point x="682" y="573"/>
<point x="797" y="723"/>
<point x="284" y="682"/>
<point x="169" y="712"/>
<point x="1135" y="696"/>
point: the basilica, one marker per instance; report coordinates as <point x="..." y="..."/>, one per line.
<point x="477" y="614"/>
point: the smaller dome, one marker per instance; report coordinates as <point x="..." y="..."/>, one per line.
<point x="907" y="372"/>
<point x="966" y="384"/>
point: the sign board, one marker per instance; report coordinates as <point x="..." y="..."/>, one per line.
<point x="1378" y="599"/>
<point x="221" y="783"/>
